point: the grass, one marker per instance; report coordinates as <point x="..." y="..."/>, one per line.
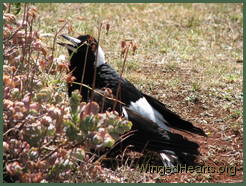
<point x="187" y="57"/>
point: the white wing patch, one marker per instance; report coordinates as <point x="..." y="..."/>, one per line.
<point x="142" y="107"/>
<point x="100" y="56"/>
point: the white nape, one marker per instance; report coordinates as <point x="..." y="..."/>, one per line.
<point x="143" y="107"/>
<point x="100" y="56"/>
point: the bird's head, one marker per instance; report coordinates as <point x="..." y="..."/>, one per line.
<point x="84" y="48"/>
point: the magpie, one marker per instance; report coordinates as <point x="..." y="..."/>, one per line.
<point x="151" y="119"/>
<point x="84" y="53"/>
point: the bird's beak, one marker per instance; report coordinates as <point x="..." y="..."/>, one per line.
<point x="73" y="40"/>
<point x="72" y="47"/>
<point x="68" y="46"/>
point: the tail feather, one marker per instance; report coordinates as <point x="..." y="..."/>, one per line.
<point x="174" y="120"/>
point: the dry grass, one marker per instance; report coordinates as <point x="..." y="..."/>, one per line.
<point x="189" y="56"/>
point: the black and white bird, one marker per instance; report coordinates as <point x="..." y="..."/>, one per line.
<point x="141" y="109"/>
